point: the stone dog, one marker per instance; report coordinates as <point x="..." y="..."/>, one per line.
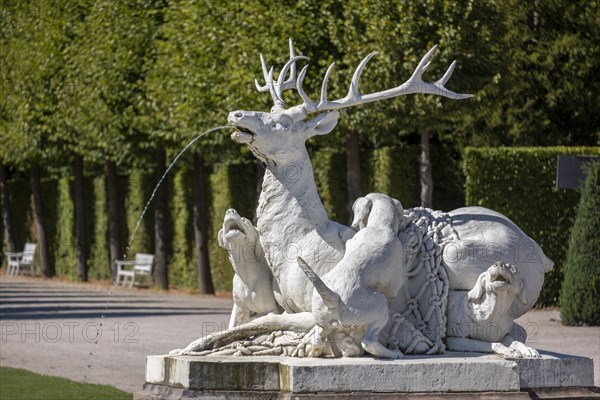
<point x="479" y="319"/>
<point x="253" y="281"/>
<point x="350" y="302"/>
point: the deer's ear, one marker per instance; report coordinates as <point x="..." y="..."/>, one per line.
<point x="322" y="124"/>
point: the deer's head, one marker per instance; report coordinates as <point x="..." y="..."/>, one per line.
<point x="278" y="136"/>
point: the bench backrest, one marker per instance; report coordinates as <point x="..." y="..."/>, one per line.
<point x="144" y="261"/>
<point x="28" y="253"/>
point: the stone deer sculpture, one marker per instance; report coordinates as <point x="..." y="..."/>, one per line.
<point x="292" y="222"/>
<point x="291" y="219"/>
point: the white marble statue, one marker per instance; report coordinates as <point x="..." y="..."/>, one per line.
<point x="480" y="319"/>
<point x="390" y="284"/>
<point x="253" y="282"/>
<point x="353" y="296"/>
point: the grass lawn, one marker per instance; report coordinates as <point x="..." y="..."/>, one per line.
<point x="18" y="384"/>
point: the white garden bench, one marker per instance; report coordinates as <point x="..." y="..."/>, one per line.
<point x="129" y="271"/>
<point x="22" y="261"/>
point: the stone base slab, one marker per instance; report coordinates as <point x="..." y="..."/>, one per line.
<point x="160" y="392"/>
<point x="214" y="377"/>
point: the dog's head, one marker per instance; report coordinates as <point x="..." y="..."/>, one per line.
<point x="363" y="206"/>
<point x="499" y="279"/>
<point x="236" y="228"/>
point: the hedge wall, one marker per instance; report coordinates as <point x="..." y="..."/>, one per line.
<point x="389" y="170"/>
<point x="521" y="183"/>
<point x="98" y="263"/>
<point x="231" y="186"/>
<point x="329" y="168"/>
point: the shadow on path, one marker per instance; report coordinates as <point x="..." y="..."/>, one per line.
<point x="36" y="301"/>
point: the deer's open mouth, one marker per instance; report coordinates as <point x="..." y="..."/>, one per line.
<point x="242" y="134"/>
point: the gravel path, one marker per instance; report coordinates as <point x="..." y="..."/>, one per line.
<point x="68" y="330"/>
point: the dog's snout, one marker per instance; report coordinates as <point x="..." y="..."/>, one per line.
<point x="495" y="268"/>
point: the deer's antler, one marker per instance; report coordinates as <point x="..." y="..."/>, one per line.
<point x="414" y="84"/>
<point x="277" y="88"/>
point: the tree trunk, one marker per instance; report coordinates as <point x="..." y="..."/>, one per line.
<point x="80" y="234"/>
<point x="9" y="232"/>
<point x="114" y="231"/>
<point x="161" y="276"/>
<point x="46" y="265"/>
<point x="205" y="284"/>
<point x="352" y="167"/>
<point x="425" y="171"/>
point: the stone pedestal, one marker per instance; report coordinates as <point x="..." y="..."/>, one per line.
<point x="453" y="375"/>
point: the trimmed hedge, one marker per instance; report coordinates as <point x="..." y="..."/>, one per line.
<point x="521" y="183"/>
<point x="98" y="262"/>
<point x="389" y="170"/>
<point x="182" y="268"/>
<point x="395" y="172"/>
<point x="581" y="287"/>
<point x="62" y="232"/>
<point x="230" y="186"/>
<point x="329" y="167"/>
<point x="518" y="182"/>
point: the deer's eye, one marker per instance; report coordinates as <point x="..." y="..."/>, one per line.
<point x="279" y="126"/>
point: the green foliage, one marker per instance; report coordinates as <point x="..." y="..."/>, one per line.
<point x="139" y="186"/>
<point x="396" y="173"/>
<point x="64" y="226"/>
<point x="581" y="287"/>
<point x="448" y="179"/>
<point x="221" y="200"/>
<point x="182" y="266"/>
<point x="393" y="170"/>
<point x="231" y="186"/>
<point x="18" y="384"/>
<point x="520" y="183"/>
<point x="403" y="32"/>
<point x="104" y="78"/>
<point x="329" y="166"/>
<point x="98" y="263"/>
<point x="545" y="90"/>
<point x="30" y="92"/>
